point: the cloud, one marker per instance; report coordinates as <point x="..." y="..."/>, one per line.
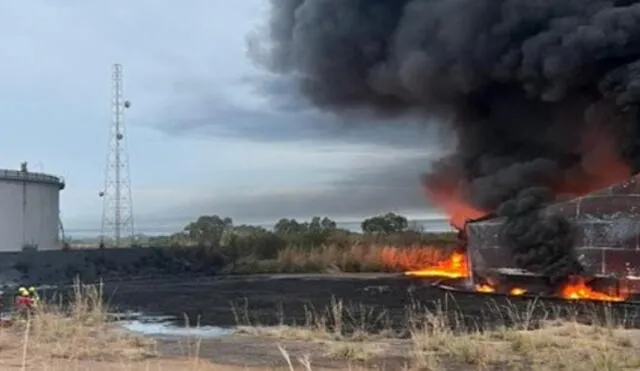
<point x="267" y="109"/>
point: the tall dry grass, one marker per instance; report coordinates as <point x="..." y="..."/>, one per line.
<point x="355" y="258"/>
<point x="80" y="335"/>
<point x="441" y="339"/>
<point x="79" y="331"/>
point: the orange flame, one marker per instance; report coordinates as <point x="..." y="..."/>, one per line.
<point x="601" y="165"/>
<point x="597" y="170"/>
<point x="485" y="288"/>
<point x="454" y="266"/>
<point x="452" y="204"/>
<point x="448" y="196"/>
<point x="579" y="290"/>
<point x="409" y="258"/>
<point x="517" y="291"/>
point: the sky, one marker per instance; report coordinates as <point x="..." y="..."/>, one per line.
<point x="207" y="132"/>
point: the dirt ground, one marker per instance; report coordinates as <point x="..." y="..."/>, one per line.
<point x="231" y="353"/>
<point x="256" y="352"/>
<point x="566" y="346"/>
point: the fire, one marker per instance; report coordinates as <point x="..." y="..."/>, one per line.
<point x="410" y="258"/>
<point x="598" y="169"/>
<point x="485" y="288"/>
<point x="448" y="196"/>
<point x="454" y="266"/>
<point x="452" y="204"/>
<point x="578" y="290"/>
<point x="601" y="165"/>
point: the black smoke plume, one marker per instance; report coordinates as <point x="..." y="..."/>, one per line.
<point x="539" y="243"/>
<point x="521" y="82"/>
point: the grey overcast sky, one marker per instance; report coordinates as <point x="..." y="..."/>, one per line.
<point x="208" y="132"/>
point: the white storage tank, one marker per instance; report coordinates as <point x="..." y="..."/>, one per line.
<point x="29" y="210"/>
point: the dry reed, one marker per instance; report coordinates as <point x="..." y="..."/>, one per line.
<point x="358" y="258"/>
<point x="439" y="339"/>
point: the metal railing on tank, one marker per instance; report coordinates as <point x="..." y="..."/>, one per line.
<point x="32" y="177"/>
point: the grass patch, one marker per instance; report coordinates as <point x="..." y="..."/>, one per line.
<point x="353" y="351"/>
<point x="438" y="340"/>
<point x="79" y="331"/>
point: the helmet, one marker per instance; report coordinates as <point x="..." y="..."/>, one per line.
<point x="23" y="291"/>
<point x="32" y="289"/>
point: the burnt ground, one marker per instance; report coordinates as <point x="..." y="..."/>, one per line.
<point x="288" y="299"/>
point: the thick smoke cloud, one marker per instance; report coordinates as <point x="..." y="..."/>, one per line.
<point x="539" y="244"/>
<point x="527" y="83"/>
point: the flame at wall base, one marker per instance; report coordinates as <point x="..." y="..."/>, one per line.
<point x="578" y="289"/>
<point x="455" y="267"/>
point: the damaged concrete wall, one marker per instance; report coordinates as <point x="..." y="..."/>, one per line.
<point x="608" y="232"/>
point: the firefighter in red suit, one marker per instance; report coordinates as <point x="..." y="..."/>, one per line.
<point x="24" y="301"/>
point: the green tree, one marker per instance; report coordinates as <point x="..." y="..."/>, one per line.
<point x="208" y="230"/>
<point x="319" y="230"/>
<point x="309" y="234"/>
<point x="287" y="227"/>
<point x="245" y="230"/>
<point x="257" y="243"/>
<point x="385" y="224"/>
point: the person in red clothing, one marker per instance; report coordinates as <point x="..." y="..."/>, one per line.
<point x="24" y="301"/>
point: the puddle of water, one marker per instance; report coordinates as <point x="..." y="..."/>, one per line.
<point x="162" y="326"/>
<point x="124" y="316"/>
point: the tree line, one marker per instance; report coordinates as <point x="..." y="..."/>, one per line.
<point x="216" y="233"/>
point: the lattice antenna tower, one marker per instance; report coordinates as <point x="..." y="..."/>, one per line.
<point x="117" y="207"/>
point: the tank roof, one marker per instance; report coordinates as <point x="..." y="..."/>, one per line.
<point x="31" y="177"/>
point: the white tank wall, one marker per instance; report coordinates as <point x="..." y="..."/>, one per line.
<point x="29" y="213"/>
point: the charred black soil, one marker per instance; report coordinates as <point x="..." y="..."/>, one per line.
<point x="292" y="299"/>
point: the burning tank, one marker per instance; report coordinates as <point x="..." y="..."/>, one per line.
<point x="607" y="245"/>
<point x="536" y="93"/>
